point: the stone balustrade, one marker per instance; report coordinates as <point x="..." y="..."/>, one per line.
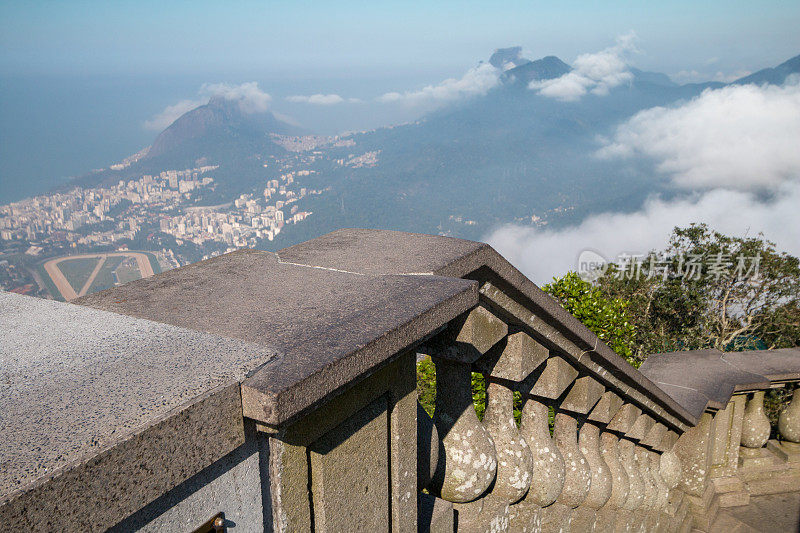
<point x="276" y="391"/>
<point x="729" y="457"/>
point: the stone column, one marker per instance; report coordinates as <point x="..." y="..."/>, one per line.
<point x="547" y="467"/>
<point x="586" y="515"/>
<point x="789" y="420"/>
<point x="469" y="465"/>
<point x="607" y="515"/>
<point x="755" y="433"/>
<point x="577" y="478"/>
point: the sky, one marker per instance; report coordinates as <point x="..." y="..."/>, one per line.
<point x="337" y="38"/>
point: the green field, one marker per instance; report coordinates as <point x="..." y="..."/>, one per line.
<point x="77" y="271"/>
<point x="127" y="271"/>
<point x="105" y="278"/>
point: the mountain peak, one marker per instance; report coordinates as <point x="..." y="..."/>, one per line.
<point x="546" y="68"/>
<point x="505" y="58"/>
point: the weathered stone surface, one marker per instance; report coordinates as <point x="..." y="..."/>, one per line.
<point x="514" y="359"/>
<point x="691" y="448"/>
<point x="292" y="447"/>
<point x="98" y="491"/>
<point x="582" y="396"/>
<point x="601" y="480"/>
<point x="347" y="494"/>
<point x="513" y="456"/>
<point x="427" y="448"/>
<point x="654" y="435"/>
<point x="606" y="408"/>
<point x="640" y="427"/>
<point x="577" y="475"/>
<point x="467" y="464"/>
<point x="391" y="252"/>
<point x="330" y="328"/>
<point x="619" y="477"/>
<point x="636" y="485"/>
<point x="755" y="424"/>
<point x="624" y="419"/>
<point x="547" y="468"/>
<point x="705" y="378"/>
<point x="554" y="379"/>
<point x="435" y="514"/>
<point x="232" y="485"/>
<point x="75" y="390"/>
<point x="789" y="419"/>
<point x="470" y="336"/>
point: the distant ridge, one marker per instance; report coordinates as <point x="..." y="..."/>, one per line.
<point x="776" y="75"/>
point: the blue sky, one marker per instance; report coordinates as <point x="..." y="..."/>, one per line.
<point x="336" y="38"/>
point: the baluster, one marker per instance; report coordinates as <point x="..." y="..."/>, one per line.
<point x="669" y="468"/>
<point x="469" y="464"/>
<point x="755" y="433"/>
<point x="662" y="491"/>
<point x="577" y="478"/>
<point x="650" y="490"/>
<point x="620" y="484"/>
<point x="635" y="481"/>
<point x="586" y="515"/>
<point x="513" y="457"/>
<point x="646" y="512"/>
<point x="789" y="423"/>
<point x="511" y="361"/>
<point x="547" y="465"/>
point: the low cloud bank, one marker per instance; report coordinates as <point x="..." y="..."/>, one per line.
<point x="476" y="81"/>
<point x="595" y="73"/>
<point x="742" y="137"/>
<point x="321" y="99"/>
<point x="733" y="150"/>
<point x="542" y="253"/>
<point x="250" y="98"/>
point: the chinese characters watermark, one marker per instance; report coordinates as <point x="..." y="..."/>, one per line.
<point x="691" y="267"/>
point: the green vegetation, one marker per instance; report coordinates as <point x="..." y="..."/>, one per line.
<point x="127" y="271"/>
<point x="607" y="316"/>
<point x="77" y="271"/>
<point x="105" y="278"/>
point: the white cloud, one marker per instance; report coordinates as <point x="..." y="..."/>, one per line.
<point x="742" y="137"/>
<point x="251" y="99"/>
<point x="170" y="114"/>
<point x="476" y="81"/>
<point x="321" y="99"/>
<point x="542" y="253"/>
<point x="595" y="73"/>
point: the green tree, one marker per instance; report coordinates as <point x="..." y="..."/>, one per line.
<point x="606" y="316"/>
<point x="709" y="290"/>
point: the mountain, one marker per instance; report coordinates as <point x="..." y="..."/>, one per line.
<point x="509" y="155"/>
<point x="545" y="68"/>
<point x="220" y="120"/>
<point x="217" y="133"/>
<point x="775" y="76"/>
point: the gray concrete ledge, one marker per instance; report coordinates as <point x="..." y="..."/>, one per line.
<point x="329" y="327"/>
<point x="703" y="380"/>
<point x="89" y="395"/>
<point x="393" y="252"/>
